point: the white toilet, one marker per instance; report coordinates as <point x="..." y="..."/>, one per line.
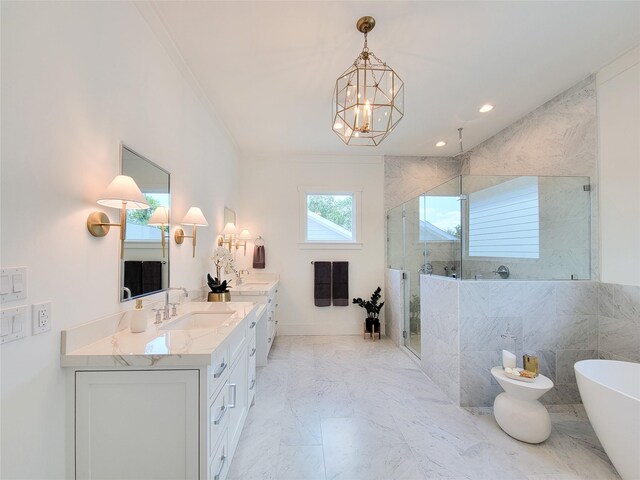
<point x="518" y="411"/>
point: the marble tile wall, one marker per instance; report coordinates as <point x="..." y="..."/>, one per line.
<point x="619" y="322"/>
<point x="462" y="324"/>
<point x="393" y="305"/>
<point x="440" y="352"/>
<point x="556" y="320"/>
<point x="408" y="177"/>
<point x="558" y="138"/>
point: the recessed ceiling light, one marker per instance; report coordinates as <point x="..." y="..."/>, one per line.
<point x="337" y="126"/>
<point x="487" y="107"/>
<point x="441" y="143"/>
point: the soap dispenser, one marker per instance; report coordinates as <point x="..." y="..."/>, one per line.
<point x="138" y="319"/>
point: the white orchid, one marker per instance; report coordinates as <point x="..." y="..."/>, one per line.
<point x="223" y="261"/>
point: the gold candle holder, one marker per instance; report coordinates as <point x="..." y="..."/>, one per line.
<point x="530" y="363"/>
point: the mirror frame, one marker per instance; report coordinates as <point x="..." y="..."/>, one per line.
<point x="124" y="146"/>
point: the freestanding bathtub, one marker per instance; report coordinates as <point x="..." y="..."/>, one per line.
<point x="610" y="391"/>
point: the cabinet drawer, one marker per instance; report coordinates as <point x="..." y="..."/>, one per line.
<point x="219" y="369"/>
<point x="218" y="418"/>
<point x="220" y="463"/>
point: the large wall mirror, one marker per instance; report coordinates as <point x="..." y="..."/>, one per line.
<point x="144" y="268"/>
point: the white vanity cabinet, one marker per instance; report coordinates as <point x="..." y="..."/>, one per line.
<point x="267" y="323"/>
<point x="137" y="424"/>
<point x="164" y="422"/>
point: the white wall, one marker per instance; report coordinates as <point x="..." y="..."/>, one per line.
<point x="619" y="130"/>
<point x="78" y="78"/>
<point x="270" y="207"/>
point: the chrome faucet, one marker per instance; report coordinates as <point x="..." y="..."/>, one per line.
<point x="166" y="314"/>
<point x="239" y="276"/>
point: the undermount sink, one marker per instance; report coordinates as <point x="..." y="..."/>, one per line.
<point x="195" y="321"/>
<point x="250" y="284"/>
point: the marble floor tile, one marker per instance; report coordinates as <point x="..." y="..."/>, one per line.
<point x="347" y="409"/>
<point x="301" y="463"/>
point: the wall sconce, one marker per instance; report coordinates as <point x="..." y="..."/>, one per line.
<point x="228" y="233"/>
<point x="160" y="218"/>
<point x="242" y="240"/>
<point x="122" y="193"/>
<point x="228" y="237"/>
<point x="195" y="218"/>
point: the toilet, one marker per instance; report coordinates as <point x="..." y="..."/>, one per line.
<point x="518" y="410"/>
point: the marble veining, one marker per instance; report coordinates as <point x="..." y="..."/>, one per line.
<point x="400" y="424"/>
<point x="108" y="342"/>
<point x="463" y="322"/>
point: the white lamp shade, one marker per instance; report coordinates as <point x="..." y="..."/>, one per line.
<point x="230" y="229"/>
<point x="245" y="235"/>
<point x="160" y="216"/>
<point x="123" y="189"/>
<point x="195" y="217"/>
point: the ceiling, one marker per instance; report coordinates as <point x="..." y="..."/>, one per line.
<point x="268" y="68"/>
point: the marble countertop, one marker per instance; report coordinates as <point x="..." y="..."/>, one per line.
<point x="259" y="284"/>
<point x="180" y="341"/>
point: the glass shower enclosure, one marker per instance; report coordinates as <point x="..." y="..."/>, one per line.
<point x="478" y="228"/>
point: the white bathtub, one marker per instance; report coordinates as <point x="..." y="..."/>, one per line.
<point x="610" y="391"/>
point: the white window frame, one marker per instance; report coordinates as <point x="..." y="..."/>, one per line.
<point x="355" y="193"/>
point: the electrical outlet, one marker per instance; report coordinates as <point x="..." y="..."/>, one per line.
<point x="41" y="317"/>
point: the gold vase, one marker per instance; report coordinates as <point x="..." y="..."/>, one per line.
<point x="219" y="297"/>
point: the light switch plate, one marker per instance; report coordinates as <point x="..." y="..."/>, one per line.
<point x="13" y="284"/>
<point x="13" y="323"/>
<point x="41" y="317"/>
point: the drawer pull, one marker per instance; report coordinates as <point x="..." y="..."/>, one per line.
<point x="277" y="304"/>
<point x="223" y="367"/>
<point x="253" y="324"/>
<point x="253" y="352"/>
<point x="223" y="459"/>
<point x="270" y="300"/>
<point x="271" y="319"/>
<point x="276" y="322"/>
<point x="269" y="341"/>
<point x="223" y="411"/>
<point x="233" y="405"/>
<point x="253" y="384"/>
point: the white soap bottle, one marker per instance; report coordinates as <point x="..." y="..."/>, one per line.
<point x="138" y="318"/>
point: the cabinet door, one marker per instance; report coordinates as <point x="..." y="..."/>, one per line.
<point x="238" y="398"/>
<point x="137" y="425"/>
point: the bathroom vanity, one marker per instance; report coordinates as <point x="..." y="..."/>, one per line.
<point x="166" y="403"/>
<point x="262" y="289"/>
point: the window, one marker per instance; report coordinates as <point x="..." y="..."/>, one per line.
<point x="329" y="217"/>
<point x="504" y="220"/>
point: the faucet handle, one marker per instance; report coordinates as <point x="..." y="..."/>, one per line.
<point x="174" y="309"/>
<point x="158" y="312"/>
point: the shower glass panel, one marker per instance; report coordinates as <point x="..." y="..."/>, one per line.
<point x="395" y="238"/>
<point x="526" y="228"/>
<point x="441" y="229"/>
<point x="414" y="259"/>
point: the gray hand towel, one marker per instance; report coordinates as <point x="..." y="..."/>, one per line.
<point x="322" y="284"/>
<point x="340" y="284"/>
<point x="258" y="256"/>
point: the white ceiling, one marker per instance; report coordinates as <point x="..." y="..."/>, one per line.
<point x="268" y="68"/>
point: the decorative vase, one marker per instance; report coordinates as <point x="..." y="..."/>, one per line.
<point x="372" y="325"/>
<point x="219" y="297"/>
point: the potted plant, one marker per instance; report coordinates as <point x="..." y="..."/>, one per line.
<point x="223" y="260"/>
<point x="372" y="322"/>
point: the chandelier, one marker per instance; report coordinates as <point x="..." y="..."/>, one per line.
<point x="368" y="97"/>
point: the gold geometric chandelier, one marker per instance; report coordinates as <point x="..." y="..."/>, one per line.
<point x="368" y="97"/>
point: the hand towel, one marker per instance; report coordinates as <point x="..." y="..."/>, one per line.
<point x="258" y="256"/>
<point x="340" y="284"/>
<point x="322" y="284"/>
